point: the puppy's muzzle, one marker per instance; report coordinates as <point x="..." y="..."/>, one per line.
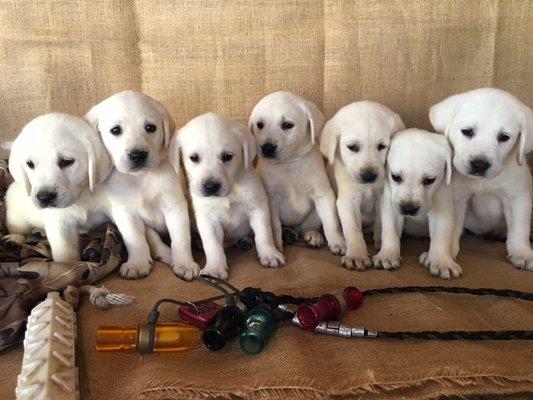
<point x="479" y="166"/>
<point x="409" y="208"/>
<point x="46" y="198"/>
<point x="138" y="157"/>
<point x="269" y="150"/>
<point x="210" y="187"/>
<point x="368" y="176"/>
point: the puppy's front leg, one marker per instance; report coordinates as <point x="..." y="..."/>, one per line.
<point x="460" y="206"/>
<point x="212" y="236"/>
<point x="132" y="229"/>
<point x="517" y="212"/>
<point x="327" y="212"/>
<point x="177" y="221"/>
<point x="439" y="260"/>
<point x="277" y="230"/>
<point x="350" y="214"/>
<point x="269" y="256"/>
<point x="63" y="238"/>
<point x="388" y="256"/>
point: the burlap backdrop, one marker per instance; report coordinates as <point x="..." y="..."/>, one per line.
<point x="198" y="56"/>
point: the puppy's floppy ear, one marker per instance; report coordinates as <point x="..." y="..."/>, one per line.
<point x="330" y="140"/>
<point x="99" y="163"/>
<point x="442" y="114"/>
<point x="168" y="123"/>
<point x="249" y="145"/>
<point x="16" y="165"/>
<point x="92" y="116"/>
<point x="398" y="124"/>
<point x="525" y="140"/>
<point x="446" y="150"/>
<point x="315" y="118"/>
<point x="174" y="155"/>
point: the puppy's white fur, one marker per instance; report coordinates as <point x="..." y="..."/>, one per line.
<point x="147" y="197"/>
<point x="216" y="150"/>
<point x="36" y="165"/>
<point x="355" y="141"/>
<point x="295" y="177"/>
<point x="503" y="193"/>
<point x="431" y="162"/>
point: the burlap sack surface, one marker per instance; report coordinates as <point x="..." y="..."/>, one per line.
<point x="223" y="56"/>
<point x="298" y="364"/>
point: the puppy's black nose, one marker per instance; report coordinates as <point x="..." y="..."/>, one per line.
<point x="138" y="157"/>
<point x="210" y="187"/>
<point x="46" y="197"/>
<point x="479" y="166"/>
<point x="269" y="149"/>
<point x="409" y="208"/>
<point x="368" y="176"/>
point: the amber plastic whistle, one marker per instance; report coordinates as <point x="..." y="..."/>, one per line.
<point x="146" y="338"/>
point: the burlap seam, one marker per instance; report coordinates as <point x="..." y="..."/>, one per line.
<point x="485" y="384"/>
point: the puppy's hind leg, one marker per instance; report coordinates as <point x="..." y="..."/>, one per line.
<point x="518" y="216"/>
<point x="158" y="249"/>
<point x="269" y="256"/>
<point x="310" y="228"/>
<point x="327" y="212"/>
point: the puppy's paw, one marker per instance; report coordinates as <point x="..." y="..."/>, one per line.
<point x="38" y="232"/>
<point x="388" y="260"/>
<point x="314" y="239"/>
<point x="337" y="248"/>
<point x="13" y="240"/>
<point x="272" y="259"/>
<point x="216" y="271"/>
<point x="186" y="270"/>
<point x="134" y="270"/>
<point x="359" y="262"/>
<point x="522" y="259"/>
<point x="440" y="267"/>
<point x="163" y="254"/>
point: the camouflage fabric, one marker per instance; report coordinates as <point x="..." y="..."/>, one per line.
<point x="27" y="273"/>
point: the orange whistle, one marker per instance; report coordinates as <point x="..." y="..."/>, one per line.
<point x="146" y="338"/>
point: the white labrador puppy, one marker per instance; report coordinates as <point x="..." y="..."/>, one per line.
<point x="490" y="131"/>
<point x="292" y="169"/>
<point x="144" y="191"/>
<point x="355" y="141"/>
<point x="58" y="162"/>
<point x="418" y="199"/>
<point x="227" y="194"/>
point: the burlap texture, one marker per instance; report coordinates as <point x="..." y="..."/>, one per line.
<point x="198" y="56"/>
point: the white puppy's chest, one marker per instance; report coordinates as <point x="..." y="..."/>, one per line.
<point x="369" y="202"/>
<point x="86" y="213"/>
<point x="230" y="213"/>
<point x="140" y="195"/>
<point x="291" y="187"/>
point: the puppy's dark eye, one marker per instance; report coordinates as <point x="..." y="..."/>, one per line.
<point x="396" y="178"/>
<point x="65" y="162"/>
<point x="468" y="132"/>
<point x="116" y="130"/>
<point x="150" y="128"/>
<point x="503" y="137"/>
<point x="226" y="157"/>
<point x="286" y="125"/>
<point x="194" y="158"/>
<point x="260" y="125"/>
<point x="353" y="147"/>
<point x="428" y="180"/>
<point x="30" y="164"/>
<point x="381" y="146"/>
